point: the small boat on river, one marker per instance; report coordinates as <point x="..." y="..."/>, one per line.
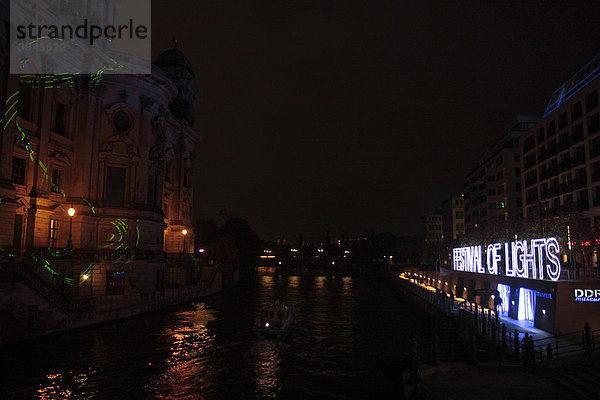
<point x="275" y="321"/>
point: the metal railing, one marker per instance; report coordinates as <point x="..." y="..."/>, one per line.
<point x="440" y="299"/>
<point x="487" y="326"/>
<point x="57" y="293"/>
<point x="566" y="345"/>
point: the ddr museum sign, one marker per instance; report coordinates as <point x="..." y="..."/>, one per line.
<point x="534" y="259"/>
<point x="592" y="295"/>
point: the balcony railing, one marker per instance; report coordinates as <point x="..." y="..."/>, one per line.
<point x="563" y="144"/>
<point x="578" y="160"/>
<point x="583" y="204"/>
<point x="579" y="183"/>
<point x="550" y="192"/>
<point x="566" y="188"/>
<point x="565" y="165"/>
<point x="577" y="137"/>
<point x="548" y="173"/>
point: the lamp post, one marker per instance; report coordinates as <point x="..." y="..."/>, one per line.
<point x="89" y="276"/>
<point x="570" y="248"/>
<point x="184" y="233"/>
<point x="71" y="213"/>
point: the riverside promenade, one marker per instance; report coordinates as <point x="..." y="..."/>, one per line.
<point x="495" y="364"/>
<point x="500" y="331"/>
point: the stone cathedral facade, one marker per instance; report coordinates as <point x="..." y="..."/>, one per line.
<point x="122" y="148"/>
<point x="118" y="151"/>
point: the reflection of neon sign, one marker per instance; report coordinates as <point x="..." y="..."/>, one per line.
<point x="591" y="295"/>
<point x="534" y="259"/>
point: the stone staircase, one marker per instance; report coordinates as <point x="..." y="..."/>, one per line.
<point x="57" y="293"/>
<point x="31" y="306"/>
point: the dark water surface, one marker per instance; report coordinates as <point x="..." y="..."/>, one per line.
<point x="206" y="350"/>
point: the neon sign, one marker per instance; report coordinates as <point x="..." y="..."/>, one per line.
<point x="533" y="259"/>
<point x="590" y="295"/>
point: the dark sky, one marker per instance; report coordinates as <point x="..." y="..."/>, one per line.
<point x="356" y="115"/>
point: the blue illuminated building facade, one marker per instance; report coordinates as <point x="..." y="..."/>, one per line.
<point x="560" y="155"/>
<point x="560" y="307"/>
<point x="556" y="178"/>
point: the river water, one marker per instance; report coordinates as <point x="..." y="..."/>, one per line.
<point x="345" y="327"/>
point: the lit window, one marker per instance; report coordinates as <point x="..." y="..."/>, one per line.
<point x="53" y="232"/>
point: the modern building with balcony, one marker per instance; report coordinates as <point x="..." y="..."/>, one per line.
<point x="492" y="190"/>
<point x="561" y="153"/>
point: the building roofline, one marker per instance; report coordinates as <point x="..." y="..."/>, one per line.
<point x="493" y="150"/>
<point x="580" y="79"/>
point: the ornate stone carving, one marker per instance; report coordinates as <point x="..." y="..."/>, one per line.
<point x="122" y="118"/>
<point x="61" y="157"/>
<point x="119" y="145"/>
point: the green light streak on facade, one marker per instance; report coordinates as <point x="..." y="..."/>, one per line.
<point x="10" y="108"/>
<point x="137" y="240"/>
<point x="13" y="95"/>
<point x="89" y="203"/>
<point x="10" y="119"/>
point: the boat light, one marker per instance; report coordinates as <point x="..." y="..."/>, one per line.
<point x="267" y="325"/>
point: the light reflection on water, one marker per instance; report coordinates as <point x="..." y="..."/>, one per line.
<point x="266" y="368"/>
<point x="293" y="281"/>
<point x="320" y="282"/>
<point x="53" y="389"/>
<point x="192" y="343"/>
<point x="347" y="282"/>
<point x="207" y="350"/>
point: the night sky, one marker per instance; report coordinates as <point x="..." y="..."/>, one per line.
<point x="356" y="115"/>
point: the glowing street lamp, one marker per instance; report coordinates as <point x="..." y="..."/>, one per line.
<point x="184" y="232"/>
<point x="71" y="212"/>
